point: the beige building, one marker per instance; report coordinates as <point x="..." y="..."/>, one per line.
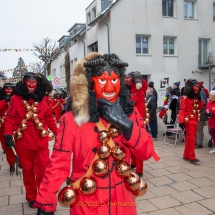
<point x="166" y="40"/>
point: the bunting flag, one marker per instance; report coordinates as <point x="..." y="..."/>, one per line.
<point x="30" y="50"/>
<point x="21" y="67"/>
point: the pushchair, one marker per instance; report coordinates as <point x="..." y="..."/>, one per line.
<point x="210" y="142"/>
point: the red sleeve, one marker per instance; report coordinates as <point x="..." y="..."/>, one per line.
<point x="182" y="109"/>
<point x="140" y="143"/>
<point x="3" y="103"/>
<point x="10" y="119"/>
<point x="58" y="169"/>
<point x="50" y="120"/>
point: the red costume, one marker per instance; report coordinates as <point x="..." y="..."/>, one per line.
<point x="57" y="107"/>
<point x="6" y="93"/>
<point x="189" y="115"/>
<point x="80" y="135"/>
<point x="137" y="87"/>
<point x="30" y="116"/>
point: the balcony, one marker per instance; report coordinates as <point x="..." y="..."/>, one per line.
<point x="206" y="60"/>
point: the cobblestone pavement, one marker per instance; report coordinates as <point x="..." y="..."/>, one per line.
<point x="175" y="186"/>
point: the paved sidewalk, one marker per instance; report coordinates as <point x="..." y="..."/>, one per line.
<point x="174" y="186"/>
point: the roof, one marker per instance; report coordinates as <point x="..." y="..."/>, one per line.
<point x="75" y="26"/>
<point x="103" y="13"/>
<point x="62" y="38"/>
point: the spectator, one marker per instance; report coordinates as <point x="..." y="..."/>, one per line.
<point x="175" y="87"/>
<point x="151" y="104"/>
<point x="151" y="84"/>
<point x="210" y="112"/>
<point x="201" y="123"/>
<point x="172" y="106"/>
<point x="204" y="89"/>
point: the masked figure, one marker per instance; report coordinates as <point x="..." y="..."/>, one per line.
<point x="57" y="106"/>
<point x="27" y="122"/>
<point x="189" y="116"/>
<point x="5" y="95"/>
<point x="137" y="87"/>
<point x="101" y="131"/>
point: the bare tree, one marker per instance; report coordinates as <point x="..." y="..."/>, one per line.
<point x="47" y="51"/>
<point x="35" y="67"/>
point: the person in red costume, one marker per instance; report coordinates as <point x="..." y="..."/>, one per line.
<point x="57" y="106"/>
<point x="189" y="115"/>
<point x="137" y="88"/>
<point x="5" y="95"/>
<point x="99" y="99"/>
<point x="29" y="111"/>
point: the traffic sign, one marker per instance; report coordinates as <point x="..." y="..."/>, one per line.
<point x="57" y="80"/>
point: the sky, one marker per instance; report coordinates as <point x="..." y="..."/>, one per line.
<point x="24" y="22"/>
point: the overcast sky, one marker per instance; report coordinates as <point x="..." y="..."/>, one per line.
<point x="23" y="22"/>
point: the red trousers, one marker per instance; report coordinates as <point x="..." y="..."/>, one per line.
<point x="9" y="153"/>
<point x="57" y="114"/>
<point x="138" y="163"/>
<point x="33" y="163"/>
<point x="190" y="141"/>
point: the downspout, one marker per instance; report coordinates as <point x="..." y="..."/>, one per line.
<point x="107" y="34"/>
<point x="83" y="43"/>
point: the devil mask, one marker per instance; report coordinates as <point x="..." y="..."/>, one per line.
<point x="31" y="84"/>
<point x="8" y="90"/>
<point x="106" y="77"/>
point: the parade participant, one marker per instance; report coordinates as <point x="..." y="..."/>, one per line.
<point x="5" y="95"/>
<point x="30" y="116"/>
<point x="137" y="87"/>
<point x="189" y="116"/>
<point x="98" y="98"/>
<point x="57" y="106"/>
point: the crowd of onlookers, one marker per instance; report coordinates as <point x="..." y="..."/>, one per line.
<point x="170" y="110"/>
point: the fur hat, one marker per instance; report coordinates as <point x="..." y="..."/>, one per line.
<point x="137" y="77"/>
<point x="94" y="64"/>
<point x="188" y="88"/>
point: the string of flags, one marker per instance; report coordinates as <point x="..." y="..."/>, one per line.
<point x="28" y="50"/>
<point x="20" y="67"/>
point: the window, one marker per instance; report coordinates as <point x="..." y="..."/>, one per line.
<point x="169" y="46"/>
<point x="93" y="47"/>
<point x="203" y="51"/>
<point x="105" y="3"/>
<point x="188" y="10"/>
<point x="88" y="18"/>
<point x="142" y="44"/>
<point x="94" y="13"/>
<point x="214" y="11"/>
<point x="168" y="9"/>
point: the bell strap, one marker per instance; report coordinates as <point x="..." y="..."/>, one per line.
<point x="89" y="172"/>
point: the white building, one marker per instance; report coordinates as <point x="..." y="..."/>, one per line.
<point x="166" y="40"/>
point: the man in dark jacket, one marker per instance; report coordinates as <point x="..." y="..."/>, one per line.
<point x="151" y="84"/>
<point x="175" y="87"/>
<point x="202" y="122"/>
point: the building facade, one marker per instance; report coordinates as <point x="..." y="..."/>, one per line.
<point x="166" y="40"/>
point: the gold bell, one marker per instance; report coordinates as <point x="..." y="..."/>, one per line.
<point x="103" y="136"/>
<point x="88" y="186"/>
<point x="18" y="135"/>
<point x="146" y="104"/>
<point x="104" y="151"/>
<point x="67" y="197"/>
<point x="123" y="169"/>
<point x="44" y="133"/>
<point x="24" y="102"/>
<point x="147" y="115"/>
<point x="51" y="136"/>
<point x="27" y="116"/>
<point x="1" y="120"/>
<point x="39" y="126"/>
<point x="142" y="189"/>
<point x="197" y="105"/>
<point x="114" y="131"/>
<point x="147" y="120"/>
<point x="194" y="111"/>
<point x="118" y="152"/>
<point x="23" y="126"/>
<point x="100" y="167"/>
<point x="198" y="111"/>
<point x="198" y="119"/>
<point x="186" y="119"/>
<point x="199" y="115"/>
<point x="34" y="116"/>
<point x="28" y="107"/>
<point x="191" y="116"/>
<point x="34" y="109"/>
<point x="36" y="104"/>
<point x="147" y="110"/>
<point x="194" y="105"/>
<point x="132" y="182"/>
